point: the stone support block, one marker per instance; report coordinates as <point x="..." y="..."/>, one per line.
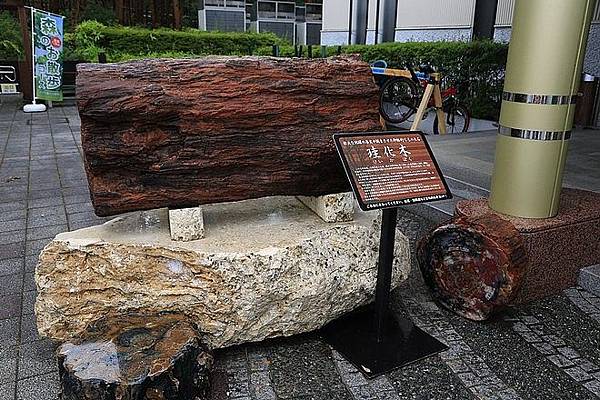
<point x="337" y="207"/>
<point x="186" y="224"/>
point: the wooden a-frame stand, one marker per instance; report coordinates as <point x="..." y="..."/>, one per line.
<point x="433" y="88"/>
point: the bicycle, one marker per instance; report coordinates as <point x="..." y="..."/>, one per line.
<point x="400" y="97"/>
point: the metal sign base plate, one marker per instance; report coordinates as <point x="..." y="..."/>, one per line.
<point x="402" y="342"/>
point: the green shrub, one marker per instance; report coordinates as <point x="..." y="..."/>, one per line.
<point x="122" y="43"/>
<point x="475" y="68"/>
<point x="11" y="42"/>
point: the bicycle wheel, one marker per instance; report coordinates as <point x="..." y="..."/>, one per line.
<point x="397" y="100"/>
<point x="457" y="120"/>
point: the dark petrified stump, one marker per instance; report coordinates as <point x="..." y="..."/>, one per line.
<point x="557" y="248"/>
<point x="181" y="133"/>
<point x="474" y="266"/>
<point x="136" y="358"/>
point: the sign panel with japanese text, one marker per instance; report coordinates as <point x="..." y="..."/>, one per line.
<point x="390" y="169"/>
<point x="48" y="55"/>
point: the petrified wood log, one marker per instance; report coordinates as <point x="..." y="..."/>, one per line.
<point x="181" y="133"/>
<point x="474" y="266"/>
<point x="136" y="358"/>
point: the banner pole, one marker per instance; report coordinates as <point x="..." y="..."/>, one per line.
<point x="34" y="90"/>
<point x="33" y="107"/>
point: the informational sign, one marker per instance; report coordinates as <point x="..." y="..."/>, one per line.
<point x="390" y="169"/>
<point x="8" y="88"/>
<point x="48" y="55"/>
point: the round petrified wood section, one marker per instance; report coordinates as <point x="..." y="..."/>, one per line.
<point x="136" y="358"/>
<point x="474" y="266"/>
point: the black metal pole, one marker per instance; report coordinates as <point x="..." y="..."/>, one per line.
<point x="377" y="21"/>
<point x="350" y="23"/>
<point x="309" y="51"/>
<point x="384" y="269"/>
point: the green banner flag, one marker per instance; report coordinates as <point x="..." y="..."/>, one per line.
<point x="48" y="55"/>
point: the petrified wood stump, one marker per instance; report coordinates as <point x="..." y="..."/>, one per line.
<point x="181" y="133"/>
<point x="136" y="358"/>
<point x="474" y="266"/>
<point x="557" y="248"/>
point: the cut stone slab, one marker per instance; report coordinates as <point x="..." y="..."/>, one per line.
<point x="267" y="267"/>
<point x="186" y="224"/>
<point x="337" y="207"/>
<point x="136" y="357"/>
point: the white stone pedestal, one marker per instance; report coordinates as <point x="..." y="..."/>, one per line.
<point x="266" y="267"/>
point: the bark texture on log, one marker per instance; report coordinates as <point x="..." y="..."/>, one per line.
<point x="474" y="266"/>
<point x="132" y="357"/>
<point x="181" y="133"/>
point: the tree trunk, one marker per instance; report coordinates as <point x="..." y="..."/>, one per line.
<point x="26" y="66"/>
<point x="120" y="11"/>
<point x="474" y="265"/>
<point x="136" y="358"/>
<point x="180" y="133"/>
<point x="176" y="14"/>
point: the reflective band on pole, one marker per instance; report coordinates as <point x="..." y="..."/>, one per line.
<point x="533" y="134"/>
<point x="538" y="98"/>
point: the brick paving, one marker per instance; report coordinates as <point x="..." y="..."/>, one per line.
<point x="546" y="350"/>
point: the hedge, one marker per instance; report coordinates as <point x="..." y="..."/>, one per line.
<point x="123" y="43"/>
<point x="475" y="68"/>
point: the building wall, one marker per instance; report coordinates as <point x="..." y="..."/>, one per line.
<point x="428" y="14"/>
<point x="335" y="22"/>
<point x="433" y="35"/>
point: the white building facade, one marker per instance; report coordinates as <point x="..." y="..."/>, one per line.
<point x="428" y="20"/>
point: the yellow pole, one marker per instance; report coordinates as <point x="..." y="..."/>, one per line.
<point x="543" y="70"/>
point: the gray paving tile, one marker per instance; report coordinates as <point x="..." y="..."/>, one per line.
<point x="8" y="364"/>
<point x="29" y="332"/>
<point x="37" y="358"/>
<point x="12" y="250"/>
<point x="10" y="284"/>
<point x="45" y="232"/>
<point x="12" y="237"/>
<point x="29" y="282"/>
<point x="13" y="214"/>
<point x="47" y="202"/>
<point x="28" y="302"/>
<point x="12" y="225"/>
<point x="34" y="247"/>
<point x="9" y="331"/>
<point x="30" y="263"/>
<point x="11" y="306"/>
<point x="7" y="391"/>
<point x="42" y="387"/>
<point x="11" y="266"/>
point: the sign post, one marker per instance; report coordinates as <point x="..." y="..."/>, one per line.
<point x="46" y="57"/>
<point x="386" y="170"/>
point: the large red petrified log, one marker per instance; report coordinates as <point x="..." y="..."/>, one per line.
<point x="179" y="133"/>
